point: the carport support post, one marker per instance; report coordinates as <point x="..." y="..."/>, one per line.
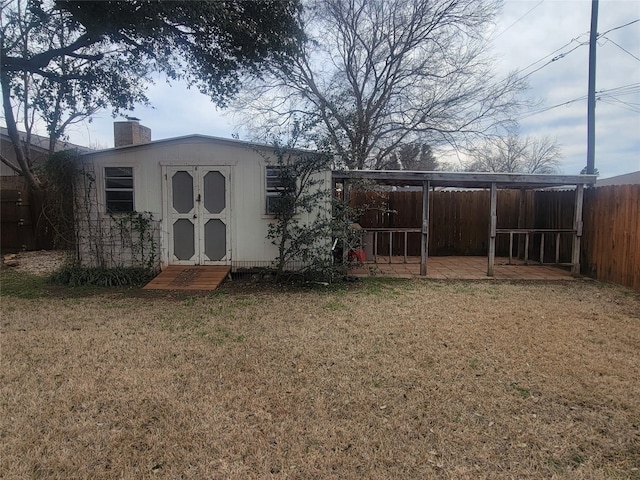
<point x="424" y="250"/>
<point x="521" y="214"/>
<point x="345" y="200"/>
<point x="492" y="230"/>
<point x="577" y="226"/>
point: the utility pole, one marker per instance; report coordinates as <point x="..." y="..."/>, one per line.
<point x="591" y="101"/>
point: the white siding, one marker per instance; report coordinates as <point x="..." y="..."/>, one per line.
<point x="248" y="221"/>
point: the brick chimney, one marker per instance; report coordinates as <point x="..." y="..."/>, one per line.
<point x="130" y="133"/>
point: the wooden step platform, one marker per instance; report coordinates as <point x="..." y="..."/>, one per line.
<point x="189" y="277"/>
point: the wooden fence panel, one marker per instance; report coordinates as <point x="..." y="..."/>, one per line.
<point x="458" y="220"/>
<point x="22" y="223"/>
<point x="553" y="209"/>
<point x="611" y="241"/>
<point x="15" y="221"/>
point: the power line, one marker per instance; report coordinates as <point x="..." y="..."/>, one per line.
<point x="558" y="57"/>
<point x="608" y="96"/>
<point x="619" y="27"/>
<point x="632" y="107"/>
<point x="562" y="55"/>
<point x="619" y="46"/>
<point x="631" y="89"/>
<point x="555" y="59"/>
<point x="546" y="109"/>
<point x="556" y="50"/>
<point x="520" y="18"/>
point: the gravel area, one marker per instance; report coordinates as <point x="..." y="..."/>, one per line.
<point x="42" y="262"/>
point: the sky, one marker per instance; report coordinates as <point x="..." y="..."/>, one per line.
<point x="528" y="36"/>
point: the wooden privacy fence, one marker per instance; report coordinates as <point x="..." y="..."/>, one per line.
<point x="457" y="220"/>
<point x="22" y="225"/>
<point x="611" y="233"/>
<point x="611" y="240"/>
<point x="458" y="226"/>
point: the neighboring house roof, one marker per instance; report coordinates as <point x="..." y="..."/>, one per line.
<point x="38" y="142"/>
<point x="39" y="149"/>
<point x="632" y="178"/>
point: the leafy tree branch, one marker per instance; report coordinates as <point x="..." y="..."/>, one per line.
<point x="61" y="61"/>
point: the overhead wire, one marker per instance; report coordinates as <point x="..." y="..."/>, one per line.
<point x="555" y="59"/>
<point x="548" y="55"/>
<point x="632" y="107"/>
<point x="620" y="26"/>
<point x="606" y="95"/>
<point x="564" y="54"/>
<point x="619" y="46"/>
<point x="518" y="20"/>
<point x="545" y="109"/>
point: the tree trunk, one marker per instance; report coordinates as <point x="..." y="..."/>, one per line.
<point x="12" y="130"/>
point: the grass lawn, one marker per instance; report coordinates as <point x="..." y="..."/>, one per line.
<point x="382" y="379"/>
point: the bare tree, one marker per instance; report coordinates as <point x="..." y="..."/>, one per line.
<point x="514" y="154"/>
<point x="412" y="156"/>
<point x="378" y="74"/>
<point x="542" y="156"/>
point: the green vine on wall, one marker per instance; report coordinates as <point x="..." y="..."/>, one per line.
<point x="60" y="175"/>
<point x="137" y="231"/>
<point x="98" y="240"/>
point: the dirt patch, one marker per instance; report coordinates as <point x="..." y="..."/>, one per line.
<point x="42" y="262"/>
<point x="393" y="379"/>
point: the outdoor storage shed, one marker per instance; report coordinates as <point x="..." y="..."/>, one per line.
<point x="196" y="200"/>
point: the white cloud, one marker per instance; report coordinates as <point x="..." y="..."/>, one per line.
<point x="176" y="111"/>
<point x="551" y="25"/>
<point x="547" y="27"/>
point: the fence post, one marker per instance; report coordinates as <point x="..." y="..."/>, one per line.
<point x="492" y="230"/>
<point x="424" y="247"/>
<point x="577" y="227"/>
<point x="522" y="199"/>
<point x="345" y="233"/>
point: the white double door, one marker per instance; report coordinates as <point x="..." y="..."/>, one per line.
<point x="198" y="215"/>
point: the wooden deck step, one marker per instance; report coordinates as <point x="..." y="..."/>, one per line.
<point x="189" y="277"/>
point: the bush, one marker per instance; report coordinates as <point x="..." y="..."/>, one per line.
<point x="76" y="276"/>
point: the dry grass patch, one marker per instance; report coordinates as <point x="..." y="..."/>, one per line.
<point x="405" y="379"/>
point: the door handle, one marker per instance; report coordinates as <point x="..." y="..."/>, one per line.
<point x="198" y="198"/>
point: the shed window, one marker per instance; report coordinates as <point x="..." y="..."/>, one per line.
<point x="278" y="180"/>
<point x="119" y="189"/>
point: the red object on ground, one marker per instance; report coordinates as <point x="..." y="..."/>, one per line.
<point x="357" y="254"/>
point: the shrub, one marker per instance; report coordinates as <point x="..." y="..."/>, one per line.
<point x="76" y="276"/>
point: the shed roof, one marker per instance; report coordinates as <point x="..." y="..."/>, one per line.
<point x="196" y="137"/>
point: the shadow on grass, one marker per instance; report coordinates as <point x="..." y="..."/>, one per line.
<point x="18" y="284"/>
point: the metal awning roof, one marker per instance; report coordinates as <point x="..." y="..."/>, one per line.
<point x="464" y="179"/>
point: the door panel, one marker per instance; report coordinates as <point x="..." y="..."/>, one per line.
<point x="215" y="239"/>
<point x="182" y="190"/>
<point x="198" y="215"/>
<point x="184" y="239"/>
<point x="214" y="192"/>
